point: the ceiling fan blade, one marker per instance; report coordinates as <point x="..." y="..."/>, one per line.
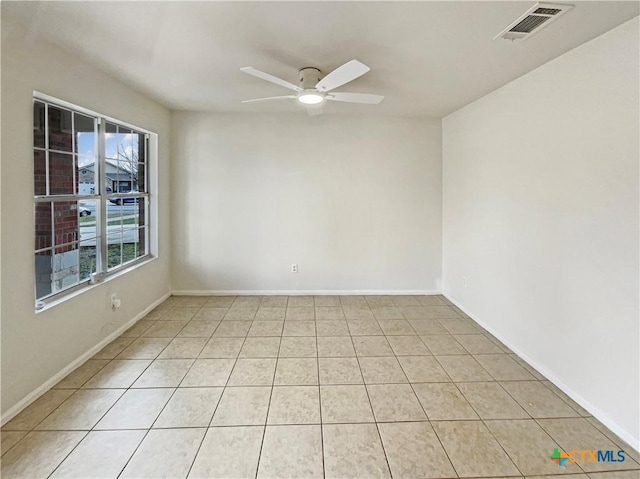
<point x="355" y="97"/>
<point x="341" y="75"/>
<point x="269" y="98"/>
<point x="270" y="78"/>
<point x="314" y="110"/>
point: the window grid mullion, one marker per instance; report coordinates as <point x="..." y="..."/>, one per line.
<point x="46" y="199"/>
<point x="147" y="206"/>
<point x="100" y="175"/>
<point x="47" y="189"/>
<point x="73" y="151"/>
<point x="48" y="185"/>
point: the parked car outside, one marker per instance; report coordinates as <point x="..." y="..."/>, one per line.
<point x="126" y="200"/>
<point x="85" y="208"/>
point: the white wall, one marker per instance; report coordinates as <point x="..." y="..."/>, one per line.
<point x="355" y="202"/>
<point x="541" y="216"/>
<point x="36" y="347"/>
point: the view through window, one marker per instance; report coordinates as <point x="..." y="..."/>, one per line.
<point x="91" y="197"/>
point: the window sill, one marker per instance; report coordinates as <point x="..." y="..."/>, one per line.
<point x="88" y="287"/>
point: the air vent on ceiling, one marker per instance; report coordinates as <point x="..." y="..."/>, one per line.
<point x="533" y="20"/>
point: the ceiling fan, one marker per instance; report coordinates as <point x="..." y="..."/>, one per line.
<point x="314" y="90"/>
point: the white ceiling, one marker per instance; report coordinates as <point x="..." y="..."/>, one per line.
<point x="426" y="58"/>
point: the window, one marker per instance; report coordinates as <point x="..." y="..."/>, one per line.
<point x="91" y="197"/>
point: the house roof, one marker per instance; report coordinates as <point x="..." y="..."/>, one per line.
<point x="119" y="171"/>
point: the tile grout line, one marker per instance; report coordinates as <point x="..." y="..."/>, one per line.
<point x="312" y="424"/>
<point x="170" y="397"/>
<point x="69" y="453"/>
<point x="483" y="420"/>
<point x="470" y="404"/>
<point x="165" y="405"/>
<point x="420" y="402"/>
<point x="76" y="390"/>
<point x="266" y="418"/>
<point x="474" y="409"/>
<point x="536" y="420"/>
<point x="315" y="326"/>
<point x="530" y="417"/>
<point x="375" y="421"/>
<point x="92" y="429"/>
<point x="557" y="443"/>
<point x="224" y="388"/>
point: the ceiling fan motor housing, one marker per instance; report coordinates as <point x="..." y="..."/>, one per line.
<point x="309" y="77"/>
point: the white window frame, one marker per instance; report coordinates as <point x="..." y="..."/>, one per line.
<point x="103" y="273"/>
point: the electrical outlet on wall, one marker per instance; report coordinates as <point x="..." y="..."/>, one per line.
<point x="464" y="280"/>
<point x="294" y="268"/>
<point x="115" y="301"/>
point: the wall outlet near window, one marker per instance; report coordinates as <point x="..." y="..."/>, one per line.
<point x="115" y="301"/>
<point x="294" y="268"/>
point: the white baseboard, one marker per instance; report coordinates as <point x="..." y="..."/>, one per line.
<point x="601" y="416"/>
<point x="297" y="292"/>
<point x="56" y="378"/>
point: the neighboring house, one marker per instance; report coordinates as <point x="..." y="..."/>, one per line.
<point x="119" y="179"/>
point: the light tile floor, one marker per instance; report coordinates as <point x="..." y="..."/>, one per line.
<point x="326" y="386"/>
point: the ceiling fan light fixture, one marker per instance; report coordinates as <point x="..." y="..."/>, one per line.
<point x="312" y="90"/>
<point x="310" y="98"/>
